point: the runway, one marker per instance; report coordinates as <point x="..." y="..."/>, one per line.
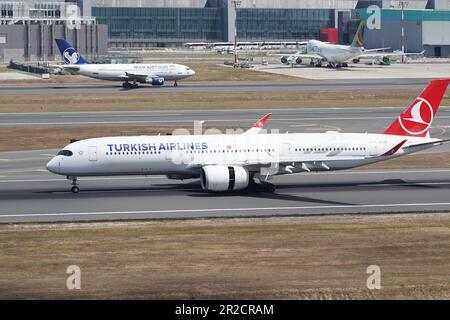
<point x="313" y="120"/>
<point x="218" y="86"/>
<point x="28" y="193"/>
<point x="41" y="197"/>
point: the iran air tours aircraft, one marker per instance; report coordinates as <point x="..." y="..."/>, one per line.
<point x="154" y="73"/>
<point x="338" y="56"/>
<point x="229" y="162"/>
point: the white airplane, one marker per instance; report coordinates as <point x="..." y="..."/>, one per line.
<point x="155" y="73"/>
<point x="229" y="162"/>
<point x="338" y="56"/>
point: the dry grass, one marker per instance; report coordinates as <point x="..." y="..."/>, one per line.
<point x="212" y="72"/>
<point x="211" y="100"/>
<point x="279" y="258"/>
<point x="16" y="139"/>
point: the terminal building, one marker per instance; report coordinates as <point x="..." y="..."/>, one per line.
<point x="27" y="28"/>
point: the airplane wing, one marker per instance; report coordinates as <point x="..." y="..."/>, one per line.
<point x="438" y="142"/>
<point x="302" y="55"/>
<point x="69" y="67"/>
<point x="376" y="49"/>
<point x="380" y="55"/>
<point x="140" y="77"/>
<point x="257" y="127"/>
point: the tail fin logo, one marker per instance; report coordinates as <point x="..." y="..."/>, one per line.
<point x="71" y="56"/>
<point x="419" y="119"/>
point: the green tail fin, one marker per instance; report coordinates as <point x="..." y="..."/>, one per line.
<point x="358" y="40"/>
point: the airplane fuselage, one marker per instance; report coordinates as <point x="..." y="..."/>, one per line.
<point x="333" y="53"/>
<point x="118" y="72"/>
<point x="148" y="155"/>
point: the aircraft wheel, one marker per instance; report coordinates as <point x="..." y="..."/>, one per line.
<point x="345" y="65"/>
<point x="125" y="85"/>
<point x="75" y="189"/>
<point x="175" y="84"/>
<point x="268" y="187"/>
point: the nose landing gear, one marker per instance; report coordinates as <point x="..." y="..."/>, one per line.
<point x="75" y="188"/>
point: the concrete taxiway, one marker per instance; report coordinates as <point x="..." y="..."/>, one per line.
<point x="218" y="86"/>
<point x="41" y="197"/>
<point x="372" y="120"/>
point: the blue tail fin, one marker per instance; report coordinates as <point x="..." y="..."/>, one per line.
<point x="69" y="54"/>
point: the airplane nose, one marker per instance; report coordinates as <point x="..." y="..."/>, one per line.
<point x="192" y="72"/>
<point x="53" y="165"/>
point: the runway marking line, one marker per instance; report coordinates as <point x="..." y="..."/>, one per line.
<point x="393" y="205"/>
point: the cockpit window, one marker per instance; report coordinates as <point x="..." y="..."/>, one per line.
<point x="66" y="153"/>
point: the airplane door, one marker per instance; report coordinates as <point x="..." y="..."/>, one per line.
<point x="373" y="149"/>
<point x="286" y="149"/>
<point x="93" y="154"/>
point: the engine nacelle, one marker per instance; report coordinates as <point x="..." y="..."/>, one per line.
<point x="284" y="60"/>
<point x="224" y="178"/>
<point x="298" y="60"/>
<point x="156" y="81"/>
<point x="356" y="60"/>
<point x="386" y="60"/>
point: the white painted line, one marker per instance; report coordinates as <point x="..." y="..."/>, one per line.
<point x="393" y="205"/>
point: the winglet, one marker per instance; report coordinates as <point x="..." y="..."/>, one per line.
<point x="258" y="125"/>
<point x="262" y="121"/>
<point x="394" y="149"/>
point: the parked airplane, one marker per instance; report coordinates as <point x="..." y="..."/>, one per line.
<point x="233" y="162"/>
<point x="338" y="56"/>
<point x="154" y="73"/>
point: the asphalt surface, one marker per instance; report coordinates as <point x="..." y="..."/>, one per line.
<point x="36" y="196"/>
<point x="373" y="120"/>
<point x="225" y="86"/>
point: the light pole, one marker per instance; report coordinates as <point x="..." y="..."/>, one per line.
<point x="402" y="40"/>
<point x="236" y="4"/>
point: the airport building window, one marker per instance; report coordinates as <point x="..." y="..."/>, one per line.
<point x="162" y="23"/>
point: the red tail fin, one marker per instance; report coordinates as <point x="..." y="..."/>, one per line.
<point x="416" y="121"/>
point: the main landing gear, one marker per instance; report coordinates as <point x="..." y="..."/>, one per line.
<point x="128" y="85"/>
<point x="175" y="84"/>
<point x="75" y="188"/>
<point x="261" y="187"/>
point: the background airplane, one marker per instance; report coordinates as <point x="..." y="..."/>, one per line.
<point x="155" y="74"/>
<point x="234" y="161"/>
<point x="337" y="56"/>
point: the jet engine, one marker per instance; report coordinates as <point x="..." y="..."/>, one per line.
<point x="224" y="178"/>
<point x="284" y="60"/>
<point x="298" y="60"/>
<point x="386" y="60"/>
<point x="156" y="81"/>
<point x="356" y="60"/>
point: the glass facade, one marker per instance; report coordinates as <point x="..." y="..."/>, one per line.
<point x="282" y="24"/>
<point x="210" y="24"/>
<point x="162" y="24"/>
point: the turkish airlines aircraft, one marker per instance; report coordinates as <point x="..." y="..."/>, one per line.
<point x="130" y="74"/>
<point x="228" y="162"/>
